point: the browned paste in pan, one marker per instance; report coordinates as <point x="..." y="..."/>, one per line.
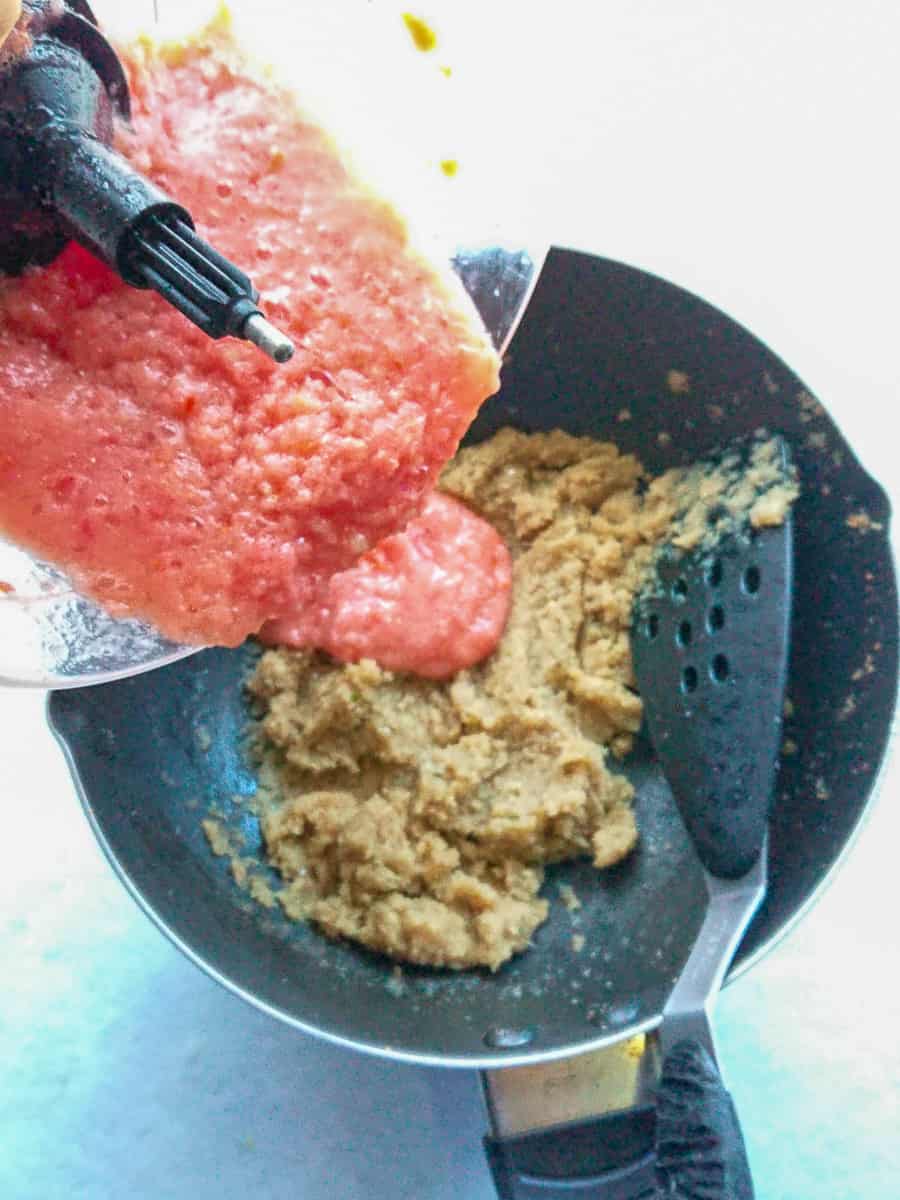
<point x="415" y="816"/>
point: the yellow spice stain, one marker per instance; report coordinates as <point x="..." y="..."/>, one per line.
<point x="449" y="166"/>
<point x="446" y="72"/>
<point x="423" y="36"/>
<point x="634" y="1047"/>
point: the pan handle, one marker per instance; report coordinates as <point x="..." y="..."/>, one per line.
<point x="607" y="1158"/>
<point x="689" y="1143"/>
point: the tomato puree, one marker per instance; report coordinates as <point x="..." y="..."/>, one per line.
<point x="430" y="600"/>
<point x="194" y="483"/>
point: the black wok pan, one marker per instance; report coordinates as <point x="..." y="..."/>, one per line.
<point x="150" y="754"/>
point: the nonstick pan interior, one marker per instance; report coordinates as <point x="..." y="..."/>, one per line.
<point x="593" y="355"/>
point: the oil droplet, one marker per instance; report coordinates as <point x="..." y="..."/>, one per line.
<point x="621" y="1014"/>
<point x="449" y="166"/>
<point x="423" y="36"/>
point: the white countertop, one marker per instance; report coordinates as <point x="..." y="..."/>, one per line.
<point x="749" y="154"/>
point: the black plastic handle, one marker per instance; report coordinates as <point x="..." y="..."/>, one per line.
<point x="607" y="1158"/>
<point x="688" y="1144"/>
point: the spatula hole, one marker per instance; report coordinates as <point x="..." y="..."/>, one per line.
<point x="683" y="636"/>
<point x="716" y="618"/>
<point x="689" y="679"/>
<point x="714" y="574"/>
<point x="720" y="668"/>
<point x="752" y="580"/>
<point x="679" y="591"/>
<point x="652" y="626"/>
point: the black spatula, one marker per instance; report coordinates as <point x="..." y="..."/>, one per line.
<point x="710" y="645"/>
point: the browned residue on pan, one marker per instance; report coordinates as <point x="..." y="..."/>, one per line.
<point x="416" y="816"/>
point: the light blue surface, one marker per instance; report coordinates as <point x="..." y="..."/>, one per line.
<point x="127" y="1074"/>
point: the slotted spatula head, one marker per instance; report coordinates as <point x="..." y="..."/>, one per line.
<point x="710" y="645"/>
